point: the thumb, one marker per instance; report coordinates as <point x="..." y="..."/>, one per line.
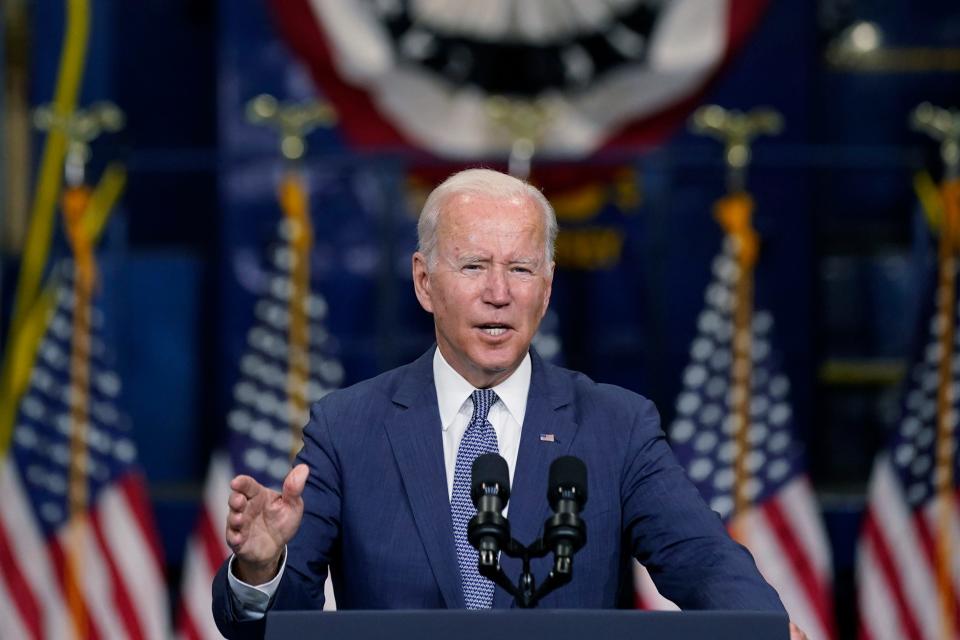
<point x="294" y="482"/>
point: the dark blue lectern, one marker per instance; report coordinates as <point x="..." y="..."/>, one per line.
<point x="517" y="624"/>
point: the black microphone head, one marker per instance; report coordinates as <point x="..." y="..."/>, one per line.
<point x="568" y="475"/>
<point x="489" y="470"/>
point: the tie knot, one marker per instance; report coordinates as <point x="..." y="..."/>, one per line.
<point x="483" y="399"/>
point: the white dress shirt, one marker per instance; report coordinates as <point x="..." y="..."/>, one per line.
<point x="456" y="408"/>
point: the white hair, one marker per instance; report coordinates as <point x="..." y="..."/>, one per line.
<point x="481" y="182"/>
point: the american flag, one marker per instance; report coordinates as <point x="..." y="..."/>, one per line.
<point x="781" y="526"/>
<point x="908" y="555"/>
<point x="260" y="437"/>
<point x="95" y="573"/>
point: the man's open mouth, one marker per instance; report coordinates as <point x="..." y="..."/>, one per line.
<point x="493" y="329"/>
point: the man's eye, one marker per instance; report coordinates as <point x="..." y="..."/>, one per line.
<point x="471" y="267"/>
<point x="524" y="270"/>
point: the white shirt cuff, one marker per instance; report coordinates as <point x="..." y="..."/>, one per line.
<point x="252" y="601"/>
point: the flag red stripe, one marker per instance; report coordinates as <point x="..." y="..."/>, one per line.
<point x="817" y="593"/>
<point x="19" y="588"/>
<point x="926" y="541"/>
<point x="122" y="603"/>
<point x="186" y="626"/>
<point x="133" y="487"/>
<point x="59" y="564"/>
<point x="887" y="566"/>
<point x="930" y="550"/>
<point x="210" y="542"/>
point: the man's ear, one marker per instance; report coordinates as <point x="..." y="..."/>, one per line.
<point x="421" y="281"/>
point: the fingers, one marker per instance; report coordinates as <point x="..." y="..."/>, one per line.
<point x="244" y="489"/>
<point x="236" y="530"/>
<point x="258" y="517"/>
<point x="237" y="519"/>
<point x="295" y="481"/>
<point x="237" y="501"/>
<point x="235" y="539"/>
<point x="796" y="633"/>
<point x="246" y="485"/>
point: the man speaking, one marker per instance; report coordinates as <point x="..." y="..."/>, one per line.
<point x="380" y="496"/>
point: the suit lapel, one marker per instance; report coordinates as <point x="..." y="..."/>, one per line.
<point x="415" y="436"/>
<point x="549" y="412"/>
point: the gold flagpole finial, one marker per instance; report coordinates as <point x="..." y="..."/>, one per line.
<point x="525" y="122"/>
<point x="736" y="129"/>
<point x="943" y="125"/>
<point x="81" y="127"/>
<point x="294" y="120"/>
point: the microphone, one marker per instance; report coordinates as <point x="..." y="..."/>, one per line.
<point x="489" y="530"/>
<point x="565" y="532"/>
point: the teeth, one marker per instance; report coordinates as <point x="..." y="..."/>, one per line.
<point x="493" y="331"/>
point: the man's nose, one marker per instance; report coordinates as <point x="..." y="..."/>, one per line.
<point x="497" y="290"/>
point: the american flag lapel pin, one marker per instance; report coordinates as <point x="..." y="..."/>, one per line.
<point x="547" y="437"/>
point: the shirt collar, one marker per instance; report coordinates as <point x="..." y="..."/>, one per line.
<point x="453" y="389"/>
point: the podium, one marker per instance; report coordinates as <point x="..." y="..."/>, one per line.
<point x="510" y="624"/>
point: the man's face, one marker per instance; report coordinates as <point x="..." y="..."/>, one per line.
<point x="490" y="285"/>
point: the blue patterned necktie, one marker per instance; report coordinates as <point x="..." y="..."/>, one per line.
<point x="478" y="439"/>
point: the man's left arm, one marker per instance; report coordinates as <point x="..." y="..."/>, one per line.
<point x="675" y="535"/>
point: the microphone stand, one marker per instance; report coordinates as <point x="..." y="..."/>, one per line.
<point x="564" y="532"/>
<point x="525" y="592"/>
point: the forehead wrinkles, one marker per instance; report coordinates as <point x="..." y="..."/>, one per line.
<point x="475" y="224"/>
<point x="496" y="245"/>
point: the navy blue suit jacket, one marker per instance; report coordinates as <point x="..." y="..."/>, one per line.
<point x="377" y="511"/>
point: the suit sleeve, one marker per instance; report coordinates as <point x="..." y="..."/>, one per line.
<point x="313" y="547"/>
<point x="681" y="542"/>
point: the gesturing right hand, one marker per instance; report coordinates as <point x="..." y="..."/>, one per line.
<point x="261" y="522"/>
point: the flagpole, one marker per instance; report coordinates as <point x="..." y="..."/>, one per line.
<point x="74" y="203"/>
<point x="294" y="122"/>
<point x="734" y="212"/>
<point x="944" y="125"/>
<point x="82" y="127"/>
<point x="79" y="128"/>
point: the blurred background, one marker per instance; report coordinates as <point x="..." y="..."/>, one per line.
<point x="163" y="262"/>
